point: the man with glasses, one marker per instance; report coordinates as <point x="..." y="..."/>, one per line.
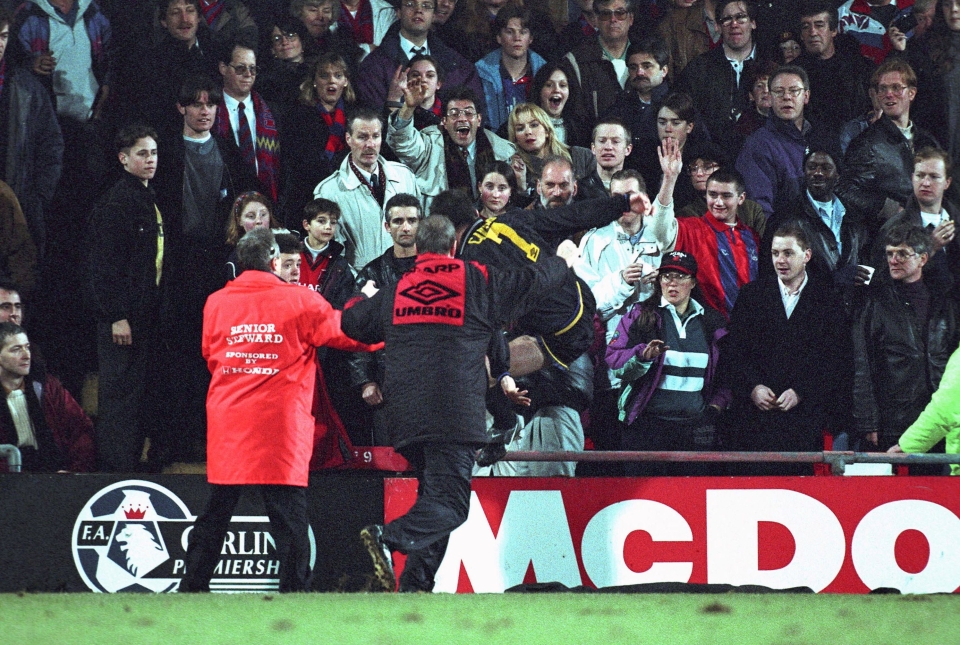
<point x="600" y="62"/>
<point x="379" y="69"/>
<point x="715" y="79"/>
<point x="787" y="357"/>
<point x="244" y="118"/>
<point x="771" y="161"/>
<point x="445" y="156"/>
<point x="903" y="337"/>
<point x="879" y="162"/>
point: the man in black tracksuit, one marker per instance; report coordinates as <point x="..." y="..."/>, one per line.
<point x="560" y="328"/>
<point x="437" y="323"/>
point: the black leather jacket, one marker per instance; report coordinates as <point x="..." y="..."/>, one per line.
<point x="898" y="364"/>
<point x="878" y="165"/>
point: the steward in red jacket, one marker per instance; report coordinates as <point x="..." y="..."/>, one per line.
<point x="260" y="336"/>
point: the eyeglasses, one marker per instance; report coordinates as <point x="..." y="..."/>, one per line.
<point x="740" y="19"/>
<point x="243" y="70"/>
<point x="412" y="4"/>
<point x="606" y="15"/>
<point x="290" y="35"/>
<point x="678" y="278"/>
<point x="900" y="255"/>
<point x="897" y="90"/>
<point x="455" y="113"/>
<point x="702" y="168"/>
<point x="794" y="92"/>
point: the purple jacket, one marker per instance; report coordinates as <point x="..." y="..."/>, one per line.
<point x="620" y="354"/>
<point x="377" y="70"/>
<point x="771" y="163"/>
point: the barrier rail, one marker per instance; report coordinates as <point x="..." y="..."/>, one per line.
<point x="838" y="460"/>
<point x="12" y="455"/>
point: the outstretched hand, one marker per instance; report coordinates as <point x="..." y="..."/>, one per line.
<point x="515" y="394"/>
<point x="671" y="159"/>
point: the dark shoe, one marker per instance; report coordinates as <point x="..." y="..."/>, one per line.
<point x="372" y="537"/>
<point x="491" y="454"/>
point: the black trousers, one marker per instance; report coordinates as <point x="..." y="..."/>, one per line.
<point x="126" y="407"/>
<point x="651" y="433"/>
<point x="287" y="510"/>
<point x="443" y="501"/>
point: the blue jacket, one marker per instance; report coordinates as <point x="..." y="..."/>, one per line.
<point x="488" y="68"/>
<point x="771" y="163"/>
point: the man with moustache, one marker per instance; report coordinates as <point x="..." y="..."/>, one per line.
<point x="362" y="187"/>
<point x="639" y="103"/>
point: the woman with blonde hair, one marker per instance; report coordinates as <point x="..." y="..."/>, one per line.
<point x="318" y="142"/>
<point x="530" y="128"/>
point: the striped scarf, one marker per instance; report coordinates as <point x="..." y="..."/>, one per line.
<point x="361" y="27"/>
<point x="211" y="10"/>
<point x="267" y="143"/>
<point x="3" y="74"/>
<point x="336" y="126"/>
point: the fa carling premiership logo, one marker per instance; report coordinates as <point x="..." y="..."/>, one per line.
<point x="133" y="536"/>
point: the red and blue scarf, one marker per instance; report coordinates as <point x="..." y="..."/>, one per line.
<point x="267" y="143"/>
<point x="211" y="10"/>
<point x="361" y="27"/>
<point x="337" y="127"/>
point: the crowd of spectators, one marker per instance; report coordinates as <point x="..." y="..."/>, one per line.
<point x="783" y="267"/>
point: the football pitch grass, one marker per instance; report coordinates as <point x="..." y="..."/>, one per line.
<point x="527" y="619"/>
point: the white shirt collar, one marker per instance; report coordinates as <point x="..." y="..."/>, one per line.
<point x="407" y="46"/>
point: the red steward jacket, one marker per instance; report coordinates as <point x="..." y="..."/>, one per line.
<point x="260" y="336"/>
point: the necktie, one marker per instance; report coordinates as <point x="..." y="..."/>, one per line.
<point x="416" y="51"/>
<point x="244" y="137"/>
<point x="375" y="180"/>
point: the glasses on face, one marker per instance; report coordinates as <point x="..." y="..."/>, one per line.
<point x="740" y="19"/>
<point x="244" y="70"/>
<point x="606" y="15"/>
<point x="290" y="35"/>
<point x="703" y="168"/>
<point x="896" y="90"/>
<point x="674" y="277"/>
<point x="792" y="92"/>
<point x="900" y="255"/>
<point x="412" y="4"/>
<point x="455" y="113"/>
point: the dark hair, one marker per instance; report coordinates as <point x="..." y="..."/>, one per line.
<point x="402" y="200"/>
<point x="793" y="70"/>
<point x="164" y="5"/>
<point x="196" y="85"/>
<point x="507" y="13"/>
<point x="435" y="234"/>
<point x="728" y="175"/>
<point x="256" y="249"/>
<point x="430" y="59"/>
<point x="610" y="120"/>
<point x="629" y="173"/>
<point x="130" y="134"/>
<point x="8" y="329"/>
<point x="501" y="168"/>
<point x="813" y="7"/>
<point x="320" y="206"/>
<point x="655" y="46"/>
<point x="825" y="149"/>
<point x="749" y="4"/>
<point x="680" y="104"/>
<point x="939" y="41"/>
<point x="289" y="25"/>
<point x="456" y="206"/>
<point x="916" y="237"/>
<point x="288" y="242"/>
<point x="362" y="114"/>
<point x="227" y="49"/>
<point x="795" y="230"/>
<point x="630" y="4"/>
<point x="5" y="18"/>
<point x="459" y="93"/>
<point x="7" y="285"/>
